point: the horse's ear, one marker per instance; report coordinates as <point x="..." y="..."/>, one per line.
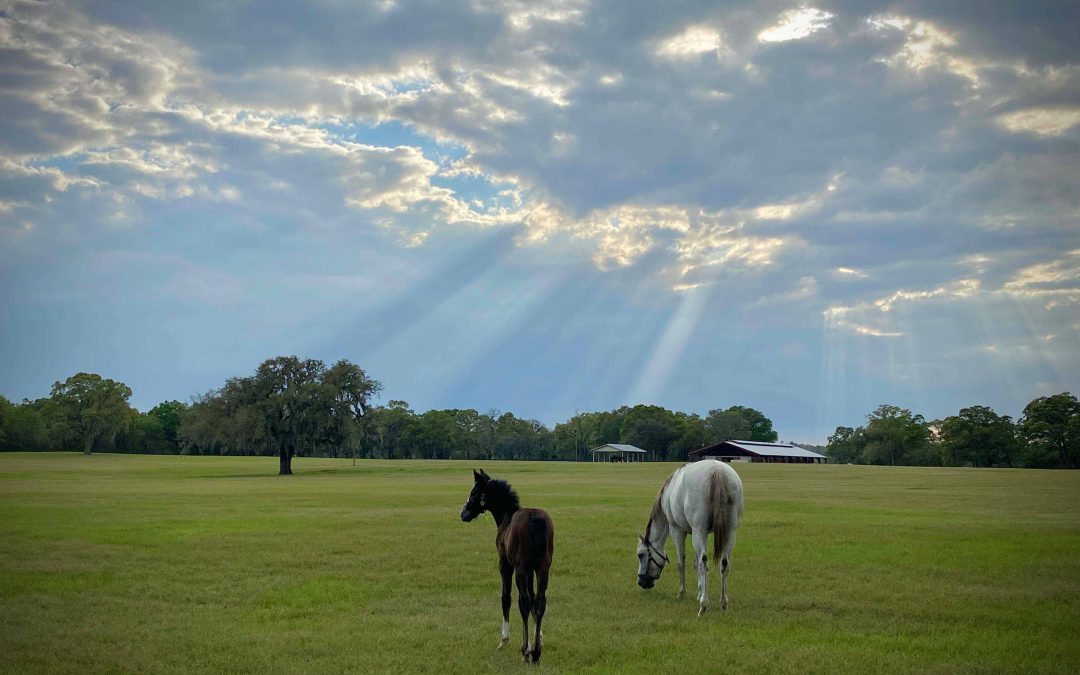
<point x="476" y="475"/>
<point x="484" y="476"/>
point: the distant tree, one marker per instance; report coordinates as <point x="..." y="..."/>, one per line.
<point x="692" y="434"/>
<point x="726" y="425"/>
<point x="894" y="436"/>
<point x="95" y="408"/>
<point x="431" y="435"/>
<point x="349" y="391"/>
<point x="761" y="428"/>
<point x="846" y="445"/>
<point x="573" y="439"/>
<point x="651" y="428"/>
<point x="522" y="439"/>
<point x="466" y="439"/>
<point x="7" y="410"/>
<point x="739" y="423"/>
<point x="169" y="414"/>
<point x="302" y="404"/>
<point x="22" y="426"/>
<point x="289" y="406"/>
<point x="1051" y="427"/>
<point x="153" y="432"/>
<point x="390" y="425"/>
<point x="978" y="436"/>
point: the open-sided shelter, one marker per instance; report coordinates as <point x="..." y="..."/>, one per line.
<point x="618" y="452"/>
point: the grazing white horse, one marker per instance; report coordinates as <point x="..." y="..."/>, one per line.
<point x="699" y="498"/>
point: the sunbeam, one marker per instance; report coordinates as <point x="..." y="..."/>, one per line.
<point x="668" y="351"/>
<point x="372" y="329"/>
<point x="454" y="326"/>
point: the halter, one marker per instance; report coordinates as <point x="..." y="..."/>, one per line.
<point x="651" y="549"/>
<point x="483" y="501"/>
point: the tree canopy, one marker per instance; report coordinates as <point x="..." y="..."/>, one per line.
<point x="291" y="406"/>
<point x="1047" y="436"/>
<point x="94" y="408"/>
<point x="978" y="436"/>
<point x="1051" y="427"/>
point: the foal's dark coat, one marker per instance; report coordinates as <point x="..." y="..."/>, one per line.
<point x="525" y="541"/>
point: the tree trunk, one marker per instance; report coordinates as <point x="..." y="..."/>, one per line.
<point x="88" y="444"/>
<point x="284" y="462"/>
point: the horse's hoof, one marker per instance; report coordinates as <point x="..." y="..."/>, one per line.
<point x="503" y="642"/>
<point x="701" y="610"/>
<point x="680" y="595"/>
<point x="536" y="656"/>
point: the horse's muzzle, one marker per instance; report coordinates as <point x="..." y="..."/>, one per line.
<point x="645" y="581"/>
<point x="467" y="515"/>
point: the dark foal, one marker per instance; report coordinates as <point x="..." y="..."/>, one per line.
<point x="525" y="540"/>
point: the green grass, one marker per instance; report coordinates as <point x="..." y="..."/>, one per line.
<point x="193" y="564"/>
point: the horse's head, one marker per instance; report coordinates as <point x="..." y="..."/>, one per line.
<point x="650" y="563"/>
<point x="476" y="503"/>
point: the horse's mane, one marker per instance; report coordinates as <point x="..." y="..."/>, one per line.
<point x="657" y="507"/>
<point x="499" y="491"/>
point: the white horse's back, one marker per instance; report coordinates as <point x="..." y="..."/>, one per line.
<point x="699" y="498"/>
<point x="705" y="496"/>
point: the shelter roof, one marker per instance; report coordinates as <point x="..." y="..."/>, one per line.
<point x="760" y="448"/>
<point x="617" y="447"/>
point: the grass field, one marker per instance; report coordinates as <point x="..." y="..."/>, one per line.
<point x="196" y="564"/>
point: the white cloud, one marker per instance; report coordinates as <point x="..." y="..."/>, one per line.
<point x="691" y="42"/>
<point x="525" y="16"/>
<point x="1042" y="121"/>
<point x="926" y="46"/>
<point x="796" y="24"/>
<point x="848" y="272"/>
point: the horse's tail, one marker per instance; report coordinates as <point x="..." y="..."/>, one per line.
<point x="726" y="505"/>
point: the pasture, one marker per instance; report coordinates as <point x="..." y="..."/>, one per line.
<point x="200" y="564"/>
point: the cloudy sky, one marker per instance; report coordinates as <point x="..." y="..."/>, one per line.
<point x="811" y="209"/>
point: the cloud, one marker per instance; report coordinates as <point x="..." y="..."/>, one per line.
<point x="691" y="42"/>
<point x="865" y="168"/>
<point x="1042" y="121"/>
<point x="796" y="24"/>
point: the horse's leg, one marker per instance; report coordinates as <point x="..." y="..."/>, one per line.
<point x="701" y="559"/>
<point x="539" y="605"/>
<point x="679" y="536"/>
<point x="725" y="564"/>
<point x="507" y="571"/>
<point x="524" y="606"/>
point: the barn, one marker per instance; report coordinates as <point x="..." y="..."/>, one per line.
<point x="757" y="451"/>
<point x="618" y="452"/>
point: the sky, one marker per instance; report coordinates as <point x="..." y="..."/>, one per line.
<point x="548" y="207"/>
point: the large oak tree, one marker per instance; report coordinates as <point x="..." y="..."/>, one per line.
<point x="93" y="407"/>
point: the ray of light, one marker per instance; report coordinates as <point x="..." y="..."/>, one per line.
<point x="588" y="342"/>
<point x="378" y="325"/>
<point x="669" y="350"/>
<point x="1003" y="379"/>
<point x="502" y="314"/>
<point x="1022" y="306"/>
<point x="833" y="403"/>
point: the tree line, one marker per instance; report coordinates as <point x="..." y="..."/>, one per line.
<point x="291" y="406"/>
<point x="1047" y="435"/>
